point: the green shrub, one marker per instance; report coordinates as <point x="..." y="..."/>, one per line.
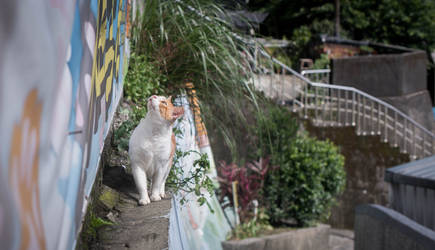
<point x="122" y="134"/>
<point x="276" y="130"/>
<point x="142" y="80"/>
<point x="303" y="187"/>
<point x="322" y="62"/>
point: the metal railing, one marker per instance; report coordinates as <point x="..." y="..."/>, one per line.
<point x="335" y="105"/>
<point x="317" y="75"/>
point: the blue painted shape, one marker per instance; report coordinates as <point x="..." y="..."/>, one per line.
<point x="74" y="64"/>
<point x="69" y="186"/>
<point x="94" y="8"/>
<point x="433" y="110"/>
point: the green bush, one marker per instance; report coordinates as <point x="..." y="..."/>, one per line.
<point x="322" y="62"/>
<point x="303" y="187"/>
<point x="122" y="134"/>
<point x="142" y="80"/>
<point x="276" y="129"/>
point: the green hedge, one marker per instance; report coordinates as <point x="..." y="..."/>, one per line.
<point x="303" y="187"/>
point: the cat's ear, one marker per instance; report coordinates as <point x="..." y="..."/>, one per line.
<point x="169" y="99"/>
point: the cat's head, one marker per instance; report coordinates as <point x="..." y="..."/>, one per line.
<point x="164" y="108"/>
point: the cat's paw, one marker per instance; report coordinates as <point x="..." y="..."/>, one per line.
<point x="155" y="197"/>
<point x="144" y="201"/>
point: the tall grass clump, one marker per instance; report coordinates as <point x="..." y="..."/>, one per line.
<point x="192" y="41"/>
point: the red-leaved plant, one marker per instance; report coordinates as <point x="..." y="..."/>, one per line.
<point x="250" y="180"/>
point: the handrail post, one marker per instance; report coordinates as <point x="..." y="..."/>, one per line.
<point x="330" y="107"/>
<point x="338" y="108"/>
<point x="385" y="124"/>
<point x="346" y="120"/>
<point x="364" y="116"/>
<point x="353" y="109"/>
<point x="404" y="135"/>
<point x="379" y="119"/>
<point x="414" y="142"/>
<point x="323" y="107"/>
<point x="305" y="99"/>
<point x="395" y="130"/>
<point x="358" y="118"/>
<point x="372" y="123"/>
<point x="316" y="103"/>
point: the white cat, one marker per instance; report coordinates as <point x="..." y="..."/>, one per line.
<point x="152" y="147"/>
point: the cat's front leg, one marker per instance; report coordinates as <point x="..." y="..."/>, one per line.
<point x="158" y="182"/>
<point x="141" y="183"/>
<point x="167" y="170"/>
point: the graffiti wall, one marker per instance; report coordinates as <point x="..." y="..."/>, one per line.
<point x="61" y="70"/>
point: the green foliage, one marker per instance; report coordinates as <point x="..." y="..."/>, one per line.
<point x="408" y="23"/>
<point x="309" y="176"/>
<point x="276" y="130"/>
<point x="322" y="62"/>
<point x="253" y="228"/>
<point x="94" y="224"/>
<point x="122" y="134"/>
<point x="196" y="181"/>
<point x="142" y="80"/>
<point x="199" y="47"/>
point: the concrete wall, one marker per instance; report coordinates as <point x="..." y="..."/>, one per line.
<point x="416" y="105"/>
<point x="399" y="79"/>
<point x="380" y="228"/>
<point x="61" y="70"/>
<point x="382" y="75"/>
<point x="312" y="238"/>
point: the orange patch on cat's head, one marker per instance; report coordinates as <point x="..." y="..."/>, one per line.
<point x="168" y="111"/>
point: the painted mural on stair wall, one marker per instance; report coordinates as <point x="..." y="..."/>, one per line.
<point x="61" y="72"/>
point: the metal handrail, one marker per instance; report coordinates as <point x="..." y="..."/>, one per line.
<point x="408" y="134"/>
<point x="318" y="75"/>
<point x="340" y="87"/>
<point x="315" y="71"/>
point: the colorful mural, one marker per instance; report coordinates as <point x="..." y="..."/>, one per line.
<point x="61" y="74"/>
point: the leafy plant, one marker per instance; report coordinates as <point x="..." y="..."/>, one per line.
<point x="322" y="62"/>
<point x="193" y="182"/>
<point x="309" y="176"/>
<point x="94" y="224"/>
<point x="142" y="80"/>
<point x="122" y="134"/>
<point x="192" y="41"/>
<point x="250" y="180"/>
<point x="252" y="228"/>
<point x="276" y="130"/>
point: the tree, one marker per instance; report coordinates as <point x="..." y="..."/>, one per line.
<point x="409" y="23"/>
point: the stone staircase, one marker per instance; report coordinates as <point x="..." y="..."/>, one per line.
<point x="338" y="106"/>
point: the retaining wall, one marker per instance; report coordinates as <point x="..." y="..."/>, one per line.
<point x="379" y="228"/>
<point x="382" y="75"/>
